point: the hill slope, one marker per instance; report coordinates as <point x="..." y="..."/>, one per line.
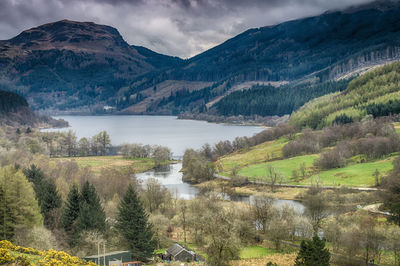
<point x="68" y="64"/>
<point x="81" y="66"/>
<point x="376" y="93"/>
<point x="15" y="111"/>
<point x="316" y="49"/>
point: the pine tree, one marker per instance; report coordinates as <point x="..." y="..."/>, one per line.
<point x="70" y="214"/>
<point x="46" y="193"/>
<point x="35" y="175"/>
<point x="91" y="214"/>
<point x="132" y="223"/>
<point x="6" y="217"/>
<point x="50" y="200"/>
<point x="313" y="253"/>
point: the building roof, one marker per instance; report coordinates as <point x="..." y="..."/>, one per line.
<point x="175" y="249"/>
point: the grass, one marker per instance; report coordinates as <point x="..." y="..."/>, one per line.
<point x="279" y="259"/>
<point x="34" y="259"/>
<point x="253" y="252"/>
<point x="359" y="175"/>
<point x="160" y="251"/>
<point x="98" y="163"/>
<point x="254" y="155"/>
<point x="284" y="167"/>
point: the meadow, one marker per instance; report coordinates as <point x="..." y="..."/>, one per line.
<point x="98" y="163"/>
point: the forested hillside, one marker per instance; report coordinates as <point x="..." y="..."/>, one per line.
<point x="267" y="100"/>
<point x="11" y="102"/>
<point x="320" y="48"/>
<point x="14" y="110"/>
<point x="376" y="93"/>
<point x="69" y="65"/>
<point x="80" y="67"/>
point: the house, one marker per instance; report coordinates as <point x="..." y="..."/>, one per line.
<point x="112" y="258"/>
<point x="179" y="253"/>
<point x="132" y="263"/>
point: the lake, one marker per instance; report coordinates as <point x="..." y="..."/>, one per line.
<point x="168" y="131"/>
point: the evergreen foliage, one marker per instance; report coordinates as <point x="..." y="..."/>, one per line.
<point x="70" y="214"/>
<point x="133" y="225"/>
<point x="267" y="100"/>
<point x="18" y="200"/>
<point x="91" y="214"/>
<point x="46" y="193"/>
<point x="7" y="218"/>
<point x="313" y="253"/>
<point x="11" y="102"/>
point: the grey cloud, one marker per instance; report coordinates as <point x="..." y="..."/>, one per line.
<point x="175" y="27"/>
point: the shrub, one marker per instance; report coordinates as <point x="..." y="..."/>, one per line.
<point x="5" y="256"/>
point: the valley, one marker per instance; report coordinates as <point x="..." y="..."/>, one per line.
<point x="279" y="146"/>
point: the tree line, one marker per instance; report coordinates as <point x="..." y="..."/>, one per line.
<point x="267" y="100"/>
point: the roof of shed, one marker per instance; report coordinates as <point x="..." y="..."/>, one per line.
<point x="175" y="249"/>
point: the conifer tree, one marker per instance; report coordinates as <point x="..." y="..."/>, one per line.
<point x="133" y="225"/>
<point x="50" y="200"/>
<point x="70" y="214"/>
<point x="6" y="217"/>
<point x="46" y="193"/>
<point x="313" y="253"/>
<point x="91" y="214"/>
<point x="19" y="199"/>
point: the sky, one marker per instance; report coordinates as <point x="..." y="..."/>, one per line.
<point x="181" y="28"/>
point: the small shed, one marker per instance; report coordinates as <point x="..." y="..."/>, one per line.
<point x="122" y="256"/>
<point x="179" y="253"/>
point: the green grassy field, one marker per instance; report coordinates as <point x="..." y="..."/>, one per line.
<point x="98" y="163"/>
<point x="360" y="175"/>
<point x="253" y="164"/>
<point x="270" y="150"/>
<point x="253" y="252"/>
<point x="283" y="167"/>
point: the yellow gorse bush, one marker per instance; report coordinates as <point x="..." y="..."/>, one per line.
<point x="5" y="256"/>
<point x="50" y="257"/>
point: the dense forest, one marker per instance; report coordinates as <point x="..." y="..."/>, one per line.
<point x="269" y="100"/>
<point x="11" y="102"/>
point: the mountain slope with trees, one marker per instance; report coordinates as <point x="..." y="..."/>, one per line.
<point x="69" y="66"/>
<point x="375" y="93"/>
<point x="15" y="111"/>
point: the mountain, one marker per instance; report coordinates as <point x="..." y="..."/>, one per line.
<point x="309" y="51"/>
<point x="15" y="111"/>
<point x="68" y="64"/>
<point x="82" y="67"/>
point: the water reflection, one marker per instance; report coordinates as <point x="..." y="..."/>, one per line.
<point x="171" y="177"/>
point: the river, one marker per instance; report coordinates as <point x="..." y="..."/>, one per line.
<point x="171" y="177"/>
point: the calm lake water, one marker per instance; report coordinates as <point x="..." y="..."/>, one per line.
<point x="168" y="131"/>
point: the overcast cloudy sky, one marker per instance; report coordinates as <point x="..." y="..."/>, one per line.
<point x="174" y="27"/>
